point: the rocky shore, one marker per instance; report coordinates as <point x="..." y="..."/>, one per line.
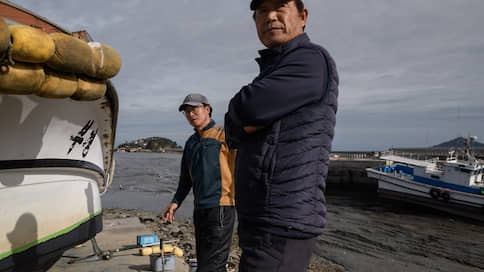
<point x="181" y="234"/>
<point x="363" y="235"/>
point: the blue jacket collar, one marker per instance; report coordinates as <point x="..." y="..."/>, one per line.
<point x="211" y="124"/>
<point x="267" y="55"/>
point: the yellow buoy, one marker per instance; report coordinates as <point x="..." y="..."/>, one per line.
<point x="145" y="251"/>
<point x="89" y="89"/>
<point x="167" y="249"/>
<point x="106" y="61"/>
<point x="31" y="44"/>
<point x="58" y="85"/>
<point x="21" y="78"/>
<point x="178" y="252"/>
<point x="149" y="250"/>
<point x="156" y="249"/>
<point x="72" y="55"/>
<point x="4" y="35"/>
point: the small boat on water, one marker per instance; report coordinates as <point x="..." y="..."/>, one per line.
<point x="454" y="185"/>
<point x="57" y="131"/>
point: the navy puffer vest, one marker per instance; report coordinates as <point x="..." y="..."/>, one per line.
<point x="281" y="170"/>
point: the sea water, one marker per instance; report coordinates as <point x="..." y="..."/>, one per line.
<point x="146" y="182"/>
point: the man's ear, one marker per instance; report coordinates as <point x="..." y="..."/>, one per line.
<point x="304" y="16"/>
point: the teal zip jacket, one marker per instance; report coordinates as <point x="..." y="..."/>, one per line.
<point x="208" y="168"/>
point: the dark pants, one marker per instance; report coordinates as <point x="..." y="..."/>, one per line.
<point x="213" y="235"/>
<point x="266" y="252"/>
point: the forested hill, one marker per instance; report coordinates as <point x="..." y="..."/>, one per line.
<point x="152" y="143"/>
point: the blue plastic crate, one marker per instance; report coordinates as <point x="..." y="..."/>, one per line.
<point x="147" y="240"/>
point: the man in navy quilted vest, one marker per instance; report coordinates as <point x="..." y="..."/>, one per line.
<point x="282" y="125"/>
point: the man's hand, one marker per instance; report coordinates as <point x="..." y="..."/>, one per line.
<point x="252" y="129"/>
<point x="169" y="214"/>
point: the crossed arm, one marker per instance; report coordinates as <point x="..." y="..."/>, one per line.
<point x="299" y="80"/>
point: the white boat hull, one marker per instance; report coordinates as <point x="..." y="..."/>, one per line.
<point x="397" y="184"/>
<point x="56" y="157"/>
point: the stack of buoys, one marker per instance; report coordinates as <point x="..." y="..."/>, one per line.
<point x="166" y="249"/>
<point x="54" y="65"/>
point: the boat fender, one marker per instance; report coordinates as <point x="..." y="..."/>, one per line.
<point x="21" y="78"/>
<point x="5" y="45"/>
<point x="4" y="35"/>
<point x="30" y="44"/>
<point x="89" y="89"/>
<point x="434" y="193"/>
<point x="106" y="61"/>
<point x="445" y="196"/>
<point x="58" y="85"/>
<point x="72" y="55"/>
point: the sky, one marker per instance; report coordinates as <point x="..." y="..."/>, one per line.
<point x="411" y="71"/>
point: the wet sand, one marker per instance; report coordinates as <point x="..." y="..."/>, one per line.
<point x="382" y="235"/>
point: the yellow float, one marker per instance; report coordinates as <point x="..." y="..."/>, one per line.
<point x="106" y="61"/>
<point x="71" y="55"/>
<point x="21" y="78"/>
<point x="89" y="89"/>
<point x="30" y="44"/>
<point x="4" y="36"/>
<point x="58" y="85"/>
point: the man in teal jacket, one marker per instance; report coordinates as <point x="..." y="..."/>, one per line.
<point x="207" y="167"/>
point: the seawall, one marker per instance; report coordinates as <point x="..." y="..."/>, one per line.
<point x="350" y="175"/>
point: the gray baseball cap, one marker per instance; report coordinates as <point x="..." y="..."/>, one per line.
<point x="193" y="100"/>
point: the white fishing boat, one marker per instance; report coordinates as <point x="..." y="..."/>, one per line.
<point x="454" y="185"/>
<point x="56" y="158"/>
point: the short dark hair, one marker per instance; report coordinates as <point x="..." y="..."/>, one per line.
<point x="211" y="109"/>
<point x="255" y="4"/>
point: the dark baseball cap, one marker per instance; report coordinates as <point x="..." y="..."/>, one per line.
<point x="254" y="4"/>
<point x="193" y="100"/>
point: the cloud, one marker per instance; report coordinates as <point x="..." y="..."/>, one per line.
<point x="411" y="71"/>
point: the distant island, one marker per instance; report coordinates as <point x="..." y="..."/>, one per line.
<point x="458" y="142"/>
<point x="151" y="144"/>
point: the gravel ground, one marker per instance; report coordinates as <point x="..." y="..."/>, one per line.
<point x="182" y="233"/>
